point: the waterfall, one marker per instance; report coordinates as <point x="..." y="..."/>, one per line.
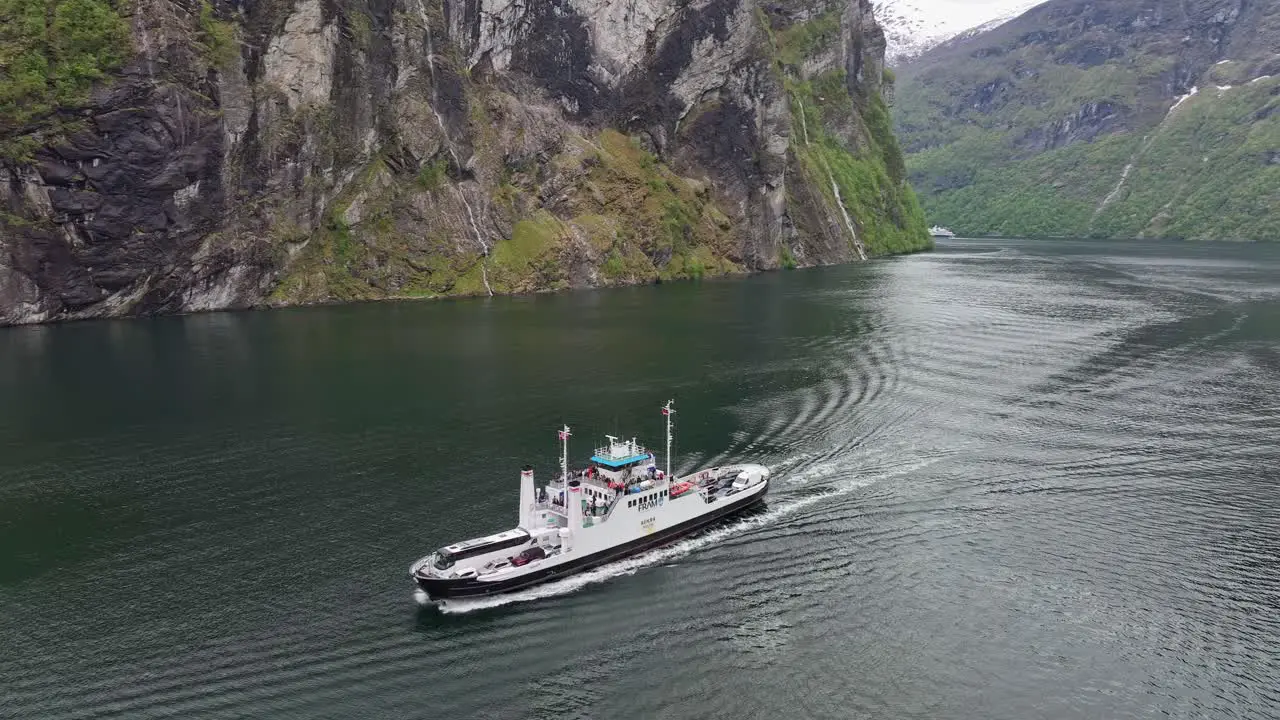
<point x="484" y="249"/>
<point x="448" y="145"/>
<point x="1124" y="176"/>
<point x="804" y="124"/>
<point x="1146" y="145"/>
<point x="431" y="67"/>
<point x="848" y="221"/>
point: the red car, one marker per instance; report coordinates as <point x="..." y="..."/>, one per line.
<point x="528" y="556"/>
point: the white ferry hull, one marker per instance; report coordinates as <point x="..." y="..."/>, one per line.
<point x="586" y="558"/>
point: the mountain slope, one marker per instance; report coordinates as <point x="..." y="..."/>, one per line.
<point x="177" y="155"/>
<point x="1110" y="118"/>
<point x="913" y="26"/>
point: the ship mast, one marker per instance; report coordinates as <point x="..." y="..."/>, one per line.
<point x="667" y="412"/>
<point x="564" y="454"/>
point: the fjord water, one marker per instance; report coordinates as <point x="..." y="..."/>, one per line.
<point x="1011" y="480"/>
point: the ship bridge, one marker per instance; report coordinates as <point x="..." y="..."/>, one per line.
<point x="620" y="454"/>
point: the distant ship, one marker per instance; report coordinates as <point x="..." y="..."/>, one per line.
<point x="941" y="232"/>
<point x="620" y="505"/>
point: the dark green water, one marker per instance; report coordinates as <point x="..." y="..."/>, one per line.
<point x="1012" y="480"/>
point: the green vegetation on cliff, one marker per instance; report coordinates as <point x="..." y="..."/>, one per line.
<point x="802" y="40"/>
<point x="847" y="142"/>
<point x="51" y="53"/>
<point x="1207" y="172"/>
<point x="217" y="37"/>
<point x="872" y="183"/>
<point x="622" y="211"/>
<point x="664" y="228"/>
<point x="1105" y="119"/>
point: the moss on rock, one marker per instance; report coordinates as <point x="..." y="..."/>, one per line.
<point x="871" y="176"/>
<point x="51" y="54"/>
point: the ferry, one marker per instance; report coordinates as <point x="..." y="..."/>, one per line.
<point x="619" y="505"/>
<point x="941" y="232"/>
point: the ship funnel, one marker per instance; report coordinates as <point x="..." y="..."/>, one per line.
<point x="527" y="497"/>
<point x="573" y="503"/>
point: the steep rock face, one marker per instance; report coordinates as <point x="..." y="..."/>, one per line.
<point x="1110" y="118"/>
<point x="280" y="152"/>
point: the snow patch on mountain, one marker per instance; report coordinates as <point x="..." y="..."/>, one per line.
<point x="913" y="26"/>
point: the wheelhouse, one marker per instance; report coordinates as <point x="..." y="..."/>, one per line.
<point x="619" y="455"/>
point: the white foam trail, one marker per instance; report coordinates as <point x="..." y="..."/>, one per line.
<point x="790" y="462"/>
<point x="679" y="549"/>
<point x="815" y="472"/>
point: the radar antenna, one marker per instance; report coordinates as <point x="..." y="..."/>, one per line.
<point x="564" y="453"/>
<point x="667" y="411"/>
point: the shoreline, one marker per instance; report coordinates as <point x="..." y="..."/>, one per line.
<point x="266" y="306"/>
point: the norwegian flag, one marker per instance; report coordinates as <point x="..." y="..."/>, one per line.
<point x="563" y="435"/>
<point x="666" y="411"/>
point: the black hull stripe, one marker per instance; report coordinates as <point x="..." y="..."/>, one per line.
<point x="452" y="589"/>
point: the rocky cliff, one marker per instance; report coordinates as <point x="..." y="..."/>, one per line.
<point x="234" y="153"/>
<point x="1108" y="118"/>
